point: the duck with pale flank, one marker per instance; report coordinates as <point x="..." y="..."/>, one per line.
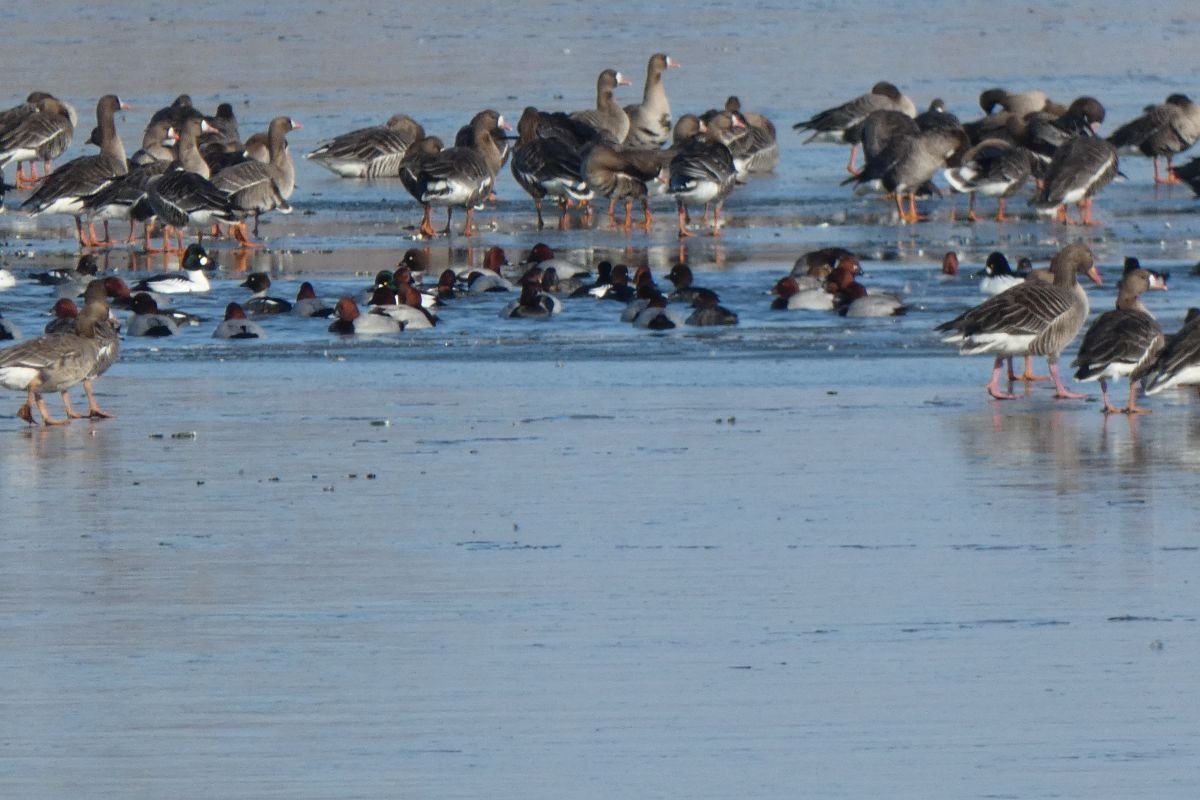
<point x="402" y="304"/>
<point x="703" y="170"/>
<point x="237" y="326"/>
<point x="708" y="312"/>
<point x="548" y="167"/>
<point x="543" y="256"/>
<point x="686" y="291"/>
<point x="64" y="190"/>
<point x="191" y="276"/>
<point x="949" y="266"/>
<point x="650" y="120"/>
<point x="308" y="304"/>
<point x="64" y="313"/>
<point x="1162" y="131"/>
<point x="790" y="295"/>
<point x="1035" y="318"/>
<point x="487" y="277"/>
<point x="255" y="188"/>
<point x="58" y="362"/>
<point x="851" y="298"/>
<point x="147" y="320"/>
<point x="608" y="116"/>
<point x="1122" y="343"/>
<point x="374" y="152"/>
<point x="532" y="304"/>
<point x="460" y="177"/>
<point x="8" y="331"/>
<point x="842" y="124"/>
<point x="815" y="265"/>
<point x="998" y="275"/>
<point x="43" y="135"/>
<point x="260" y="303"/>
<point x="350" y="321"/>
<point x="657" y="315"/>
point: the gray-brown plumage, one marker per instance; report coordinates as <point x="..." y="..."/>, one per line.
<point x="1019" y="103"/>
<point x="1178" y="363"/>
<point x="547" y="167"/>
<point x="622" y="175"/>
<point x="756" y="150"/>
<point x="907" y="163"/>
<point x="1124" y="342"/>
<point x="842" y="124"/>
<point x="650" y="120"/>
<point x="57" y="362"/>
<point x="64" y="190"/>
<point x="703" y="169"/>
<point x="993" y="168"/>
<point x="461" y="176"/>
<point x="608" y="115"/>
<point x="43" y="136"/>
<point x="1163" y="131"/>
<point x="373" y="152"/>
<point x="256" y="188"/>
<point x="1033" y="317"/>
<point x="1082" y="166"/>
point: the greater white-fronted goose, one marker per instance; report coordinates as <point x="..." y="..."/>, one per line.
<point x="460" y="176"/>
<point x="547" y="167"/>
<point x="41" y="136"/>
<point x="650" y="120"/>
<point x="1124" y="342"/>
<point x="993" y="168"/>
<point x="1019" y="103"/>
<point x="622" y="175"/>
<point x="373" y="152"/>
<point x="419" y="153"/>
<point x="907" y="163"/>
<point x="1163" y="131"/>
<point x="256" y="188"/>
<point x="1178" y="363"/>
<point x="841" y="123"/>
<point x="703" y="170"/>
<point x="1082" y="166"/>
<point x="183" y="196"/>
<point x="64" y="190"/>
<point x="57" y="362"/>
<point x="608" y="115"/>
<point x="756" y="150"/>
<point x="1046" y="131"/>
<point x="1035" y="318"/>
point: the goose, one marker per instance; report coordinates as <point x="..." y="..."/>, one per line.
<point x="1080" y="167"/>
<point x="1178" y="363"/>
<point x="608" y="116"/>
<point x="373" y="152"/>
<point x="907" y="163"/>
<point x="1123" y="342"/>
<point x="64" y="190"/>
<point x="841" y="123"/>
<point x="703" y="170"/>
<point x="650" y="120"/>
<point x="43" y="135"/>
<point x="254" y="187"/>
<point x="993" y="168"/>
<point x="547" y="167"/>
<point x="1035" y="318"/>
<point x="1164" y="130"/>
<point x="460" y="176"/>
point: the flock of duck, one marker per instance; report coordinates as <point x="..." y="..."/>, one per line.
<point x="193" y="172"/>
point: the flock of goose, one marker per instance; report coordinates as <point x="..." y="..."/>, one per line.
<point x="194" y="172"/>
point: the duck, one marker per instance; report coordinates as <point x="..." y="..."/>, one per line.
<point x="992" y="168"/>
<point x="708" y="311"/>
<point x="1034" y="317"/>
<point x="60" y="361"/>
<point x="1080" y="167"/>
<point x="1162" y="131"/>
<point x="255" y="188"/>
<point x="790" y="296"/>
<point x="7" y="280"/>
<point x="657" y="316"/>
<point x="703" y="170"/>
<point x="236" y="326"/>
<point x="43" y="135"/>
<point x="461" y="176"/>
<point x="548" y="167"/>
<point x="544" y="256"/>
<point x="308" y="304"/>
<point x="841" y="124"/>
<point x="259" y="303"/>
<point x="64" y="190"/>
<point x="374" y="152"/>
<point x="147" y="320"/>
<point x="608" y="116"/>
<point x="190" y="278"/>
<point x="403" y="304"/>
<point x="72" y="281"/>
<point x="851" y="298"/>
<point x="950" y="265"/>
<point x="487" y="277"/>
<point x="907" y="163"/>
<point x="8" y="331"/>
<point x="998" y="275"/>
<point x="1178" y="363"/>
<point x="814" y="266"/>
<point x="650" y="120"/>
<point x="1122" y="343"/>
<point x="532" y="304"/>
<point x="64" y="315"/>
<point x="350" y="321"/>
<point x="681" y="277"/>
